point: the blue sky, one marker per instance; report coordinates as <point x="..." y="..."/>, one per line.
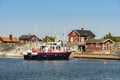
<point x="44" y="17"/>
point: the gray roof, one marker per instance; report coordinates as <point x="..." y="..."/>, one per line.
<point x="95" y="41"/>
<point x="85" y="33"/>
<point x="98" y="40"/>
<point x="25" y="37"/>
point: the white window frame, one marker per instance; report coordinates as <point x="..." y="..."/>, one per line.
<point x="71" y="39"/>
<point x="82" y="39"/>
<point x="97" y="44"/>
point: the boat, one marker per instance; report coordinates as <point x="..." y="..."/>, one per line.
<point x="49" y="51"/>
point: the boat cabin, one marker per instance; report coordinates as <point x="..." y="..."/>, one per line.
<point x="53" y="47"/>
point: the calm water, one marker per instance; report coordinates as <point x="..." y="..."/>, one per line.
<point x="19" y="69"/>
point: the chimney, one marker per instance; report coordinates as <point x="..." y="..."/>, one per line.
<point x="10" y="36"/>
<point x="82" y="28"/>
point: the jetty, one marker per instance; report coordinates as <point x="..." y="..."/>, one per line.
<point x="96" y="56"/>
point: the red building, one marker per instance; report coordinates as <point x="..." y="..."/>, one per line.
<point x="80" y="35"/>
<point x="99" y="45"/>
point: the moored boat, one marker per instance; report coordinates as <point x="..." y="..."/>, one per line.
<point x="49" y="51"/>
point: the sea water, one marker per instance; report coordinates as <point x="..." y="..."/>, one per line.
<point x="75" y="69"/>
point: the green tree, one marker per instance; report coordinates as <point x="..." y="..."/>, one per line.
<point x="114" y="38"/>
<point x="108" y="36"/>
<point x="48" y="39"/>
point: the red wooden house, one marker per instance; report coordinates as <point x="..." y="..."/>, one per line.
<point x="99" y="45"/>
<point x="80" y="35"/>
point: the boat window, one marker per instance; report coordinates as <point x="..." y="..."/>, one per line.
<point x="53" y="43"/>
<point x="65" y="45"/>
<point x="58" y="47"/>
<point x="53" y="48"/>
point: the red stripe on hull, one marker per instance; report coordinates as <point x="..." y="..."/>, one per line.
<point x="53" y="53"/>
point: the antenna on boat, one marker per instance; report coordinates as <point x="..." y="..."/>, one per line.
<point x="35" y="34"/>
<point x="64" y="34"/>
<point x="55" y="36"/>
<point x="65" y="41"/>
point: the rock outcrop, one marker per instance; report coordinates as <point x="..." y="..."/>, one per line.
<point x="12" y="49"/>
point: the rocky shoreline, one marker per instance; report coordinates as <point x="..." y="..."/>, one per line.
<point x="12" y="50"/>
<point x="16" y="51"/>
<point x="10" y="55"/>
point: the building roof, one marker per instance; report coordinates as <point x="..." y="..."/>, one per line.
<point x="98" y="40"/>
<point x="25" y="37"/>
<point x="28" y="37"/>
<point x="7" y="39"/>
<point x="85" y="33"/>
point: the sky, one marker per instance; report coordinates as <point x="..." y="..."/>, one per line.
<point x="44" y="17"/>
